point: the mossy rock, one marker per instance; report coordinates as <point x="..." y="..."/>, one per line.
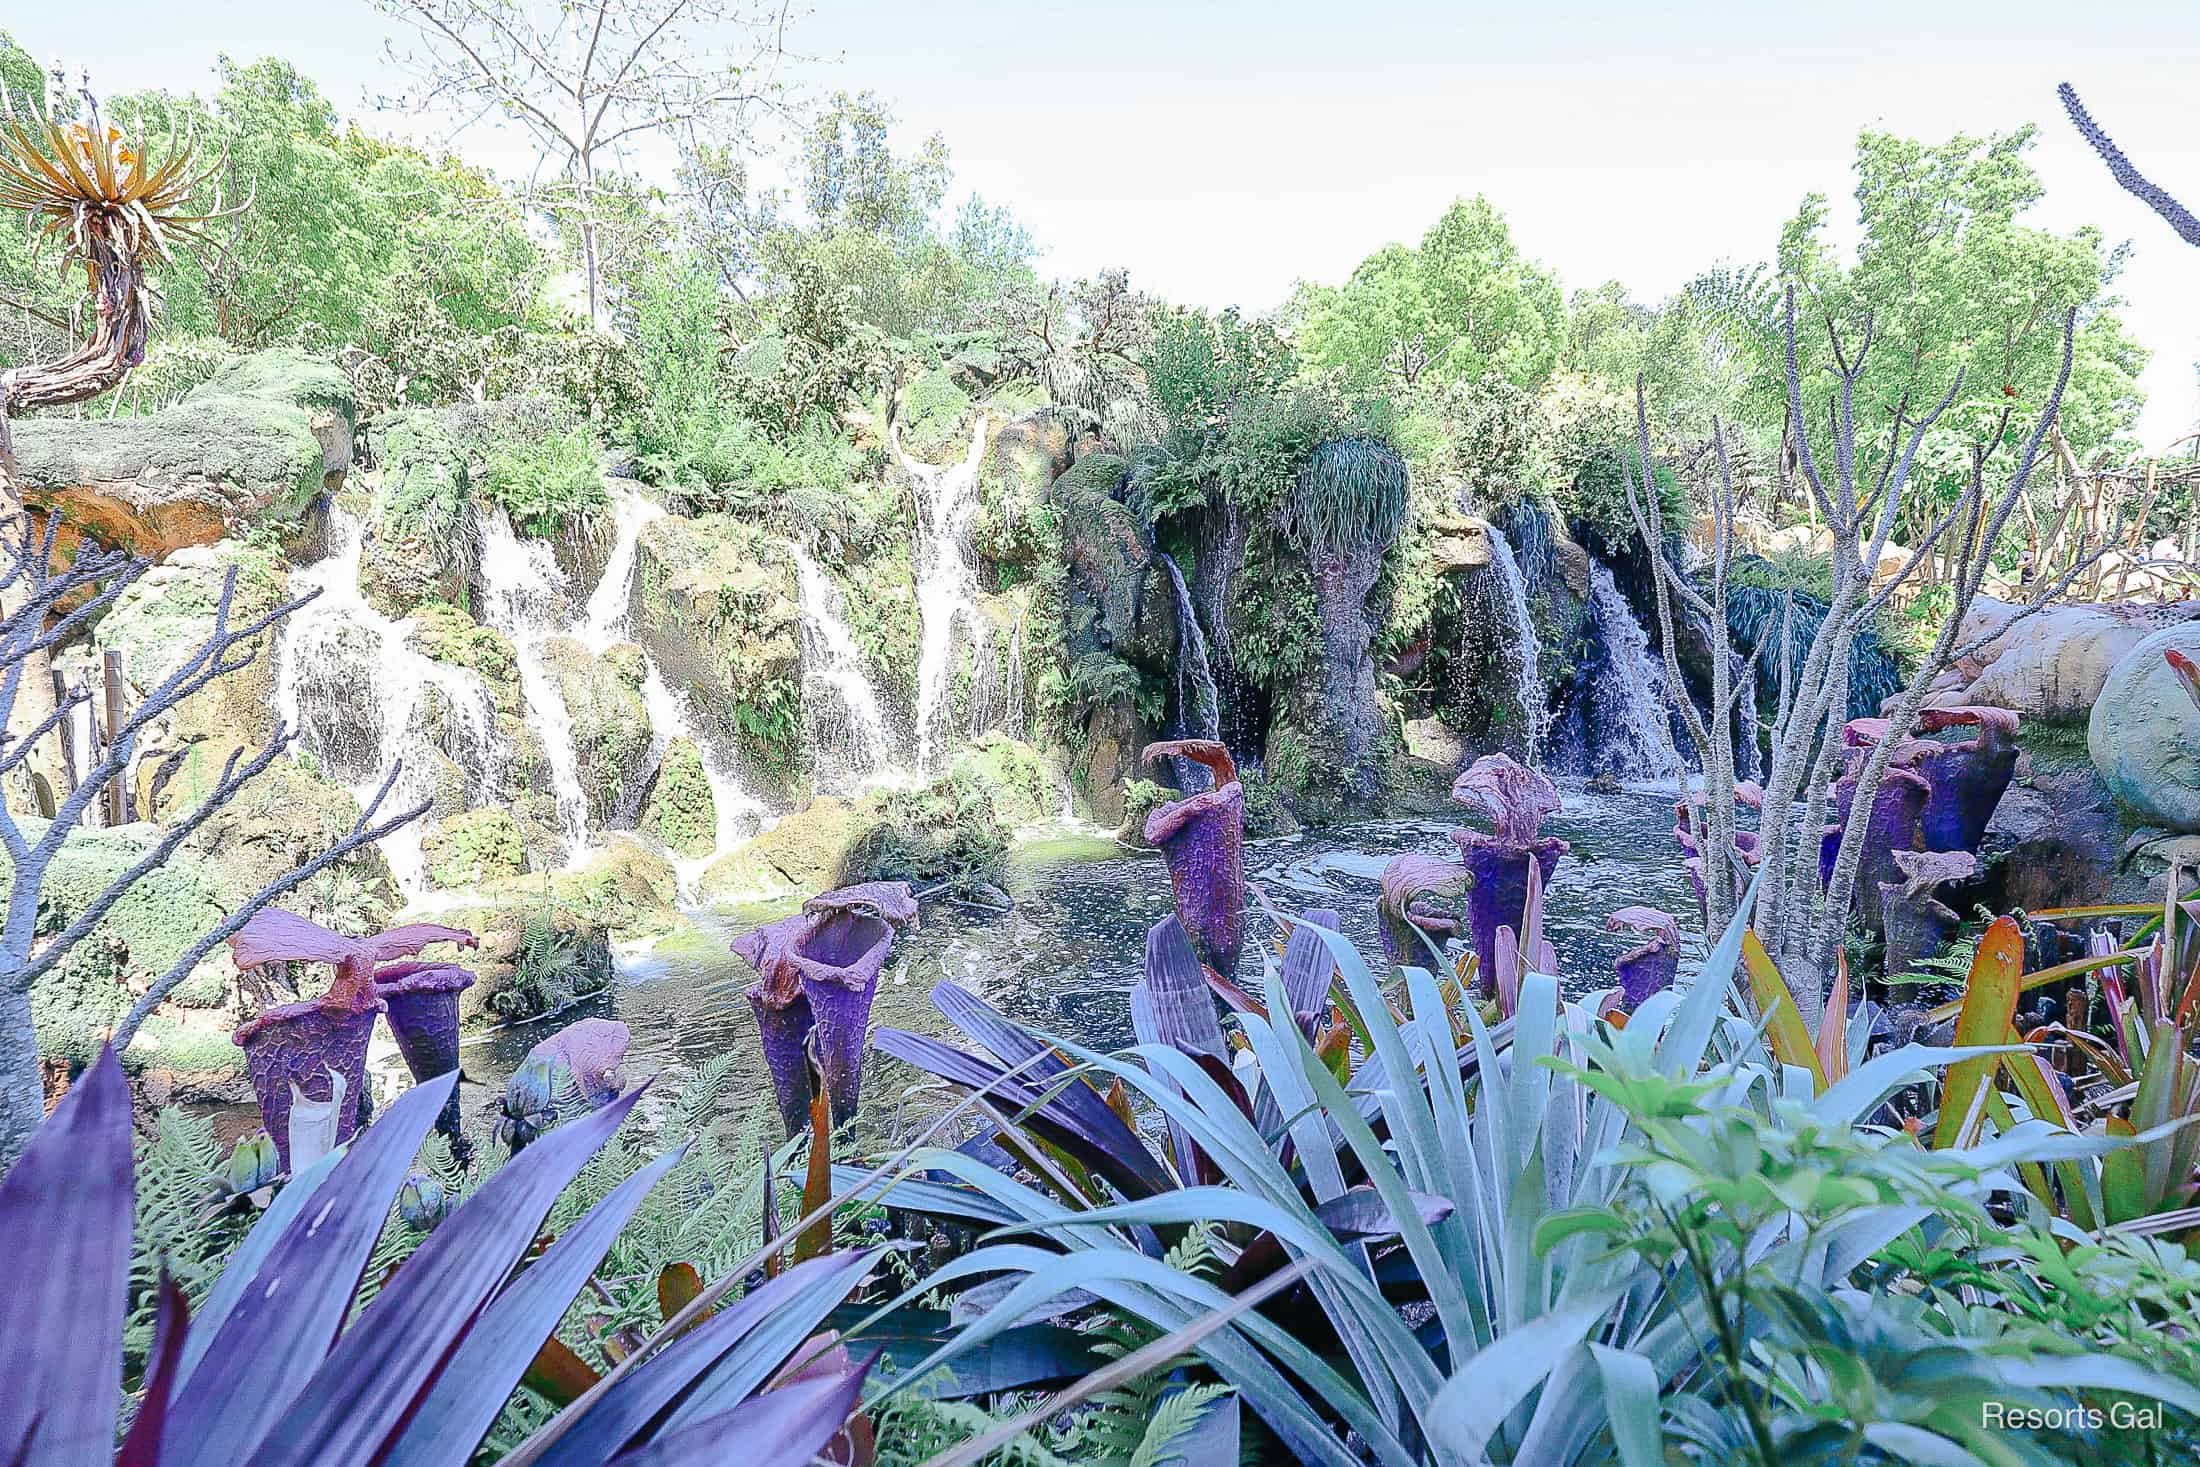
<point x="610" y="723"/>
<point x="681" y="811"/>
<point x="717" y="606"/>
<point x="535" y="958"/>
<point x="472" y="847"/>
<point x="1015" y="778"/>
<point x="264" y="434"/>
<point x="625" y="887"/>
<point x="949" y="831"/>
<point x="162" y="619"/>
<point x="443" y="633"/>
<point x="932" y="408"/>
<point x="277" y="823"/>
<point x="143" y="934"/>
<point x="802" y="855"/>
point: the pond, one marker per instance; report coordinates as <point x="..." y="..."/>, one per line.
<point x="1064" y="954"/>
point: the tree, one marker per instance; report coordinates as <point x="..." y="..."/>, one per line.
<point x="1462" y="304"/>
<point x="2176" y="215"/>
<point x="590" y="80"/>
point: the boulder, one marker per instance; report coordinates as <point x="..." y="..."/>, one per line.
<point x="1109" y="553"/>
<point x="1461" y="544"/>
<point x="1015" y="778"/>
<point x="803" y="854"/>
<point x="2053" y="665"/>
<point x="266" y="433"/>
<point x="2144" y="733"/>
<point x="610" y="722"/>
<point x="1026" y="456"/>
<point x="443" y="633"/>
<point x="281" y="820"/>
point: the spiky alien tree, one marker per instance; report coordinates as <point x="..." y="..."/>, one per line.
<point x="112" y="210"/>
<point x="2134" y="182"/>
<point x="1799" y="916"/>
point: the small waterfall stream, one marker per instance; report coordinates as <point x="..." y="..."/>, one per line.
<point x="1528" y="689"/>
<point x="523" y="595"/>
<point x="947" y="585"/>
<point x="1633" y="727"/>
<point x="1198" y="703"/>
<point x="851" y="746"/>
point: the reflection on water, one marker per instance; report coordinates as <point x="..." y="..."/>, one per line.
<point x="1065" y="954"/>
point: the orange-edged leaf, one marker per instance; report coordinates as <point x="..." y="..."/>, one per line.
<point x="1833" y="1026"/>
<point x="1334" y="1050"/>
<point x="2043" y="1096"/>
<point x="558" y="1375"/>
<point x="1989" y="1007"/>
<point x="2076" y="967"/>
<point x="816" y="1240"/>
<point x="2188" y="673"/>
<point x="1784" y="1028"/>
<point x="2123" y="1177"/>
<point x="677" y="1287"/>
<point x="2033" y="1174"/>
<point x="1119" y="1101"/>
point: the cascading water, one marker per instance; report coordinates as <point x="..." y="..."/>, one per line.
<point x="1198" y="704"/>
<point x="1633" y="736"/>
<point x="1528" y="689"/>
<point x="947" y="586"/>
<point x="523" y="594"/>
<point x="850" y="744"/>
<point x="360" y="697"/>
<point x="610" y="605"/>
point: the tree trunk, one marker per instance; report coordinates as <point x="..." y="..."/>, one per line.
<point x="591" y="260"/>
<point x="22" y="1082"/>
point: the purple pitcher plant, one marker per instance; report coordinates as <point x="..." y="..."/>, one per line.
<point x="817" y="977"/>
<point x="1518" y="799"/>
<point x="1202" y="837"/>
<point x="1418" y="906"/>
<point x="421" y="1000"/>
<point x="1650" y="967"/>
<point x="315" y="1050"/>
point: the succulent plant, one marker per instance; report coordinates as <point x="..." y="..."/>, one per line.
<point x="1202" y="837"/>
<point x="253" y="1165"/>
<point x="421" y="1200"/>
<point x="529" y="1105"/>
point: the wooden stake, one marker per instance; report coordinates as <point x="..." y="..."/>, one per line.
<point x="118" y="788"/>
<point x="65" y="731"/>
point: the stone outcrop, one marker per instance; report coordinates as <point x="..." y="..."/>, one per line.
<point x="611" y="734"/>
<point x="266" y="433"/>
<point x="2144" y="732"/>
<point x="2053" y="665"/>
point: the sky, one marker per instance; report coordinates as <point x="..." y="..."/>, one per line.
<point x="1223" y="151"/>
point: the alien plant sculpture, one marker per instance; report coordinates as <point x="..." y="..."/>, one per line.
<point x="1518" y="799"/>
<point x="1649" y="968"/>
<point x="1202" y="837"/>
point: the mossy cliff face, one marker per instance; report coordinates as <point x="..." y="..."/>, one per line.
<point x="611" y="734"/>
<point x="716" y="605"/>
<point x="264" y="434"/>
<point x="680" y="810"/>
<point x="472" y="847"/>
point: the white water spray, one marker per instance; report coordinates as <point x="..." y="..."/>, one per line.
<point x="1528" y="689"/>
<point x="947" y="586"/>
<point x="850" y="743"/>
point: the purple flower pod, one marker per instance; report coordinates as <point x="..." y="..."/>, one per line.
<point x="837" y="958"/>
<point x="1968" y="777"/>
<point x="1499" y="897"/>
<point x="1892" y="826"/>
<point x="783" y="1018"/>
<point x="303" y="1043"/>
<point x="1419" y="895"/>
<point x="421" y="1000"/>
<point x="1202" y="838"/>
<point x="1651" y="967"/>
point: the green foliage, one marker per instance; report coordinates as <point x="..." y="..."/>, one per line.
<point x="1596" y="500"/>
<point x="1350" y="495"/>
<point x="548" y="486"/>
<point x="932" y="408"/>
<point x="180" y="1228"/>
<point x="1463" y="305"/>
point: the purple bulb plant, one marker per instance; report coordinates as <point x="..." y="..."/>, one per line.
<point x="817" y="978"/>
<point x="314" y="1052"/>
<point x="1518" y="800"/>
<point x="1202" y="837"/>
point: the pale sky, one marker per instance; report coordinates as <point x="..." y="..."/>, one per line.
<point x="1222" y="151"/>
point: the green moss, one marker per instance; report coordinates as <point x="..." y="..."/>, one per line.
<point x="443" y="633"/>
<point x="932" y="408"/>
<point x="682" y="812"/>
<point x="1014" y="777"/>
<point x="611" y="734"/>
<point x="472" y="847"/>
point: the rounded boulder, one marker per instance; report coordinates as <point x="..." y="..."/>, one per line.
<point x="2144" y="733"/>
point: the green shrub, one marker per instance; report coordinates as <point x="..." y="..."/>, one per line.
<point x="547" y="485"/>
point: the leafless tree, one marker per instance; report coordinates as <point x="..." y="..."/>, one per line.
<point x="1799" y="918"/>
<point x="49" y="608"/>
<point x="2156" y="198"/>
<point x="589" y="79"/>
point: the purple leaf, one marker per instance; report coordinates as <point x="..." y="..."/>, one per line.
<point x="1308" y="967"/>
<point x="469" y="1392"/>
<point x="282" y="1328"/>
<point x="786" y="1427"/>
<point x="636" y="1401"/>
<point x="141" y="1448"/>
<point x="67" y="1209"/>
<point x="366" y="1389"/>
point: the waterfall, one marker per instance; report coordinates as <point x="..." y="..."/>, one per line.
<point x="359" y="697"/>
<point x="1013" y="694"/>
<point x="1528" y="689"/>
<point x="947" y="586"/>
<point x="523" y="594"/>
<point x="849" y="741"/>
<point x="1633" y="736"/>
<point x="1198" y="704"/>
<point x="611" y="603"/>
